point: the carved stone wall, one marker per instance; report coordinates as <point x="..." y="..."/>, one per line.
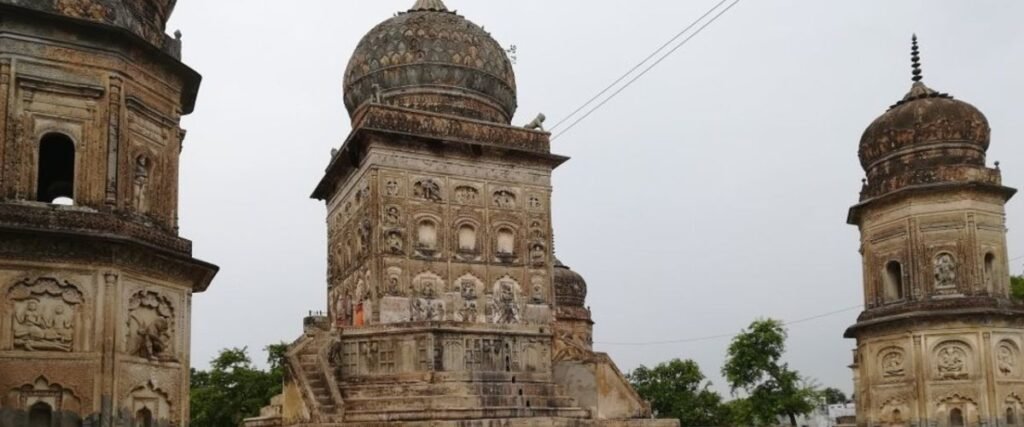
<point x="413" y="238"/>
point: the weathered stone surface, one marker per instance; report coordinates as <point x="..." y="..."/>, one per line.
<point x="445" y="304"/>
<point x="939" y="341"/>
<point x="95" y="293"/>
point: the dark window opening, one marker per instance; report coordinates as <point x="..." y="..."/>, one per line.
<point x="56" y="179"/>
<point x="893" y="281"/>
<point x="1011" y="417"/>
<point x="990" y="268"/>
<point x="144" y="418"/>
<point x="956" y="418"/>
<point x="40" y="415"/>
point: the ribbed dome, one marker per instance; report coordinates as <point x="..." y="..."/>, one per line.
<point x="927" y="137"/>
<point x="570" y="288"/>
<point x="432" y="59"/>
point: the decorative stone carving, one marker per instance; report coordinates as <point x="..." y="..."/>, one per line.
<point x="505" y="308"/>
<point x="393" y="215"/>
<point x="504" y="199"/>
<point x="42" y="390"/>
<point x="392" y="188"/>
<point x="150" y="326"/>
<point x="535" y="202"/>
<point x="538" y="254"/>
<point x="951" y="361"/>
<point x="1006" y="359"/>
<point x="45" y="314"/>
<point x="893" y="363"/>
<point x="392" y="283"/>
<point x="467" y="195"/>
<point x="140" y="184"/>
<point x="945" y="271"/>
<point x="394" y="242"/>
<point x="571" y="346"/>
<point x="427" y="189"/>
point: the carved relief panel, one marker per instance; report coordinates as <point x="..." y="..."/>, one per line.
<point x="894" y="364"/>
<point x="47" y="315"/>
<point x="1007" y="356"/>
<point x="952" y="360"/>
<point x="151" y="326"/>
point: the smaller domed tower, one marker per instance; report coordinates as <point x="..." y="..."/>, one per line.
<point x="939" y="341"/>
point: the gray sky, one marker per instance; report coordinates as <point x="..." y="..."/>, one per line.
<point x="712" y="192"/>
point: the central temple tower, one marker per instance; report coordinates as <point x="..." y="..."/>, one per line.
<point x="446" y="305"/>
<point x="939" y="342"/>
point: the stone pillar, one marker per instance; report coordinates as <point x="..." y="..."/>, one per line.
<point x="5" y="95"/>
<point x="109" y="330"/>
<point x="113" y="137"/>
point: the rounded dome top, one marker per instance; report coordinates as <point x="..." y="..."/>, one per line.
<point x="927" y="124"/>
<point x="145" y="18"/>
<point x="430" y="58"/>
<point x="570" y="288"/>
<point x="926" y="138"/>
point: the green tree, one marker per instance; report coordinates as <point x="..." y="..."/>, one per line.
<point x="753" y="364"/>
<point x="678" y="389"/>
<point x="834" y="396"/>
<point x="234" y="389"/>
<point x="739" y="413"/>
<point x="1017" y="287"/>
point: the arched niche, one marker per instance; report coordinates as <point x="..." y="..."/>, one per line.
<point x="149" y="399"/>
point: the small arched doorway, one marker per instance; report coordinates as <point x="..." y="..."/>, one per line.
<point x="40" y="415"/>
<point x="956" y="418"/>
<point x="144" y="418"/>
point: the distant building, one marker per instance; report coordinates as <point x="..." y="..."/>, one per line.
<point x="840" y="415"/>
<point x="939" y="342"/>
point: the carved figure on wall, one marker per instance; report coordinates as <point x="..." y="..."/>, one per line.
<point x="535" y="202"/>
<point x="44" y="315"/>
<point x="892" y="364"/>
<point x="466" y="194"/>
<point x="952" y="363"/>
<point x="365" y="230"/>
<point x="391" y="187"/>
<point x="393" y="216"/>
<point x="428" y="190"/>
<point x="140" y="182"/>
<point x="395" y="243"/>
<point x="945" y="271"/>
<point x="537" y="254"/>
<point x="538" y="291"/>
<point x="570" y="346"/>
<point x="393" y="287"/>
<point x="505" y="308"/>
<point x="1006" y="362"/>
<point x="504" y="199"/>
<point x="150" y="321"/>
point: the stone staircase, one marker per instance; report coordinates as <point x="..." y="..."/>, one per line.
<point x="455" y="400"/>
<point x="311" y="372"/>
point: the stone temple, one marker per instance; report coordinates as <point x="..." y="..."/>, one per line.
<point x="447" y="305"/>
<point x="95" y="283"/>
<point x="939" y="342"/>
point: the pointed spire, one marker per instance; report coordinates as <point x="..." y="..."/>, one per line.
<point x="429" y="5"/>
<point x="915" y="57"/>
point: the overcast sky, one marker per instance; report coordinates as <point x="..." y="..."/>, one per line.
<point x="712" y="192"/>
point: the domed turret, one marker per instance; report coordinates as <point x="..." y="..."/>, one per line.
<point x="144" y="18"/>
<point x="430" y="58"/>
<point x="570" y="288"/>
<point x="926" y="138"/>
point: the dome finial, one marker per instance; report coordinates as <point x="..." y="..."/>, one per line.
<point x="430" y="5"/>
<point x="915" y="57"/>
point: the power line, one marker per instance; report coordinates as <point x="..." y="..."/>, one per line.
<point x="638" y="65"/>
<point x="646" y="70"/>
<point x="714" y="337"/>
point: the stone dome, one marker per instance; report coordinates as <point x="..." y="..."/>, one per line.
<point x="570" y="288"/>
<point x="926" y="138"/>
<point x="430" y="58"/>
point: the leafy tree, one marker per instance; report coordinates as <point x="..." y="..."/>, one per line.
<point x="233" y="389"/>
<point x="753" y="364"/>
<point x="1017" y="287"/>
<point x="739" y="413"/>
<point x="834" y="396"/>
<point x="678" y="389"/>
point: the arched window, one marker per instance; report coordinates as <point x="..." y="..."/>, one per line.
<point x="956" y="418"/>
<point x="897" y="416"/>
<point x="56" y="177"/>
<point x="893" y="281"/>
<point x="506" y="242"/>
<point x="144" y="418"/>
<point x="1011" y="417"/>
<point x="990" y="268"/>
<point x="467" y="238"/>
<point x="427" y="235"/>
<point x="40" y="415"/>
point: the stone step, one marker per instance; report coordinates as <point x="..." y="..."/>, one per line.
<point x="457" y="402"/>
<point x="448" y="388"/>
<point x="461" y="414"/>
